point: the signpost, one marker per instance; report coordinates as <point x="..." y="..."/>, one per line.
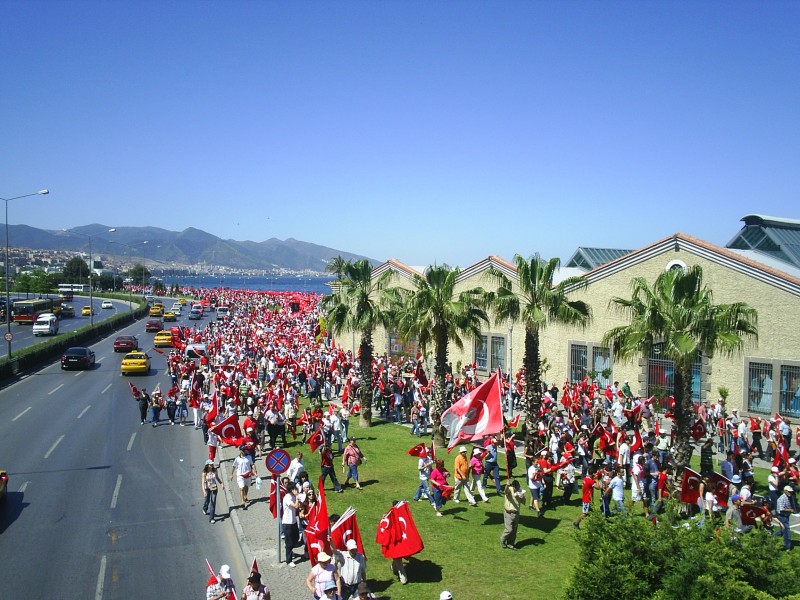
<point x="277" y="462"/>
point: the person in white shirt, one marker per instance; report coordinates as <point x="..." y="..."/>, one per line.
<point x="336" y="430"/>
<point x="289" y="529"/>
<point x="296" y="467"/>
<point x="352" y="568"/>
<point x="624" y="457"/>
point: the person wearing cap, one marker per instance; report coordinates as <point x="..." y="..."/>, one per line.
<point x="255" y="590"/>
<point x="210" y="484"/>
<point x="330" y="592"/>
<point x="322" y="575"/>
<point x="513" y="497"/>
<point x="461" y="471"/>
<point x="784" y="510"/>
<point x="218" y="589"/>
<point x="476" y="472"/>
<point x="352" y="567"/>
<point x="733" y="516"/>
<point x="243" y="469"/>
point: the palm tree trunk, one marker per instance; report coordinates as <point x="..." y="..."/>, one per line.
<point x="365" y="385"/>
<point x="683" y="416"/>
<point x="437" y="406"/>
<point x="533" y="380"/>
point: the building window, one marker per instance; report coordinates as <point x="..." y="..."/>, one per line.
<point x="790" y="390"/>
<point x="661" y="374"/>
<point x="498" y="353"/>
<point x="601" y="361"/>
<point x="577" y="362"/>
<point x="759" y="388"/>
<point x="482" y="353"/>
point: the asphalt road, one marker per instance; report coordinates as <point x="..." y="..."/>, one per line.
<point x="98" y="505"/>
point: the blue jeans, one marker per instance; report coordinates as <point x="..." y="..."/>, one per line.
<point x="494" y="469"/>
<point x="438" y="501"/>
<point x="415" y="426"/>
<point x="345" y="427"/>
<point x="337" y="435"/>
<point x="155" y="413"/>
<point x="423" y="488"/>
<point x="210" y="505"/>
<point x="787" y="533"/>
<point x="652" y="491"/>
<point x="352" y="473"/>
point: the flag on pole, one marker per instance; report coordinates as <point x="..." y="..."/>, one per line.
<point x="698" y="430"/>
<point x="228" y="430"/>
<point x="346" y="528"/>
<point x="476" y="415"/>
<point x="316" y="439"/>
<point x="134" y="390"/>
<point x="418" y="450"/>
<point x="397" y="533"/>
<point x="690" y="486"/>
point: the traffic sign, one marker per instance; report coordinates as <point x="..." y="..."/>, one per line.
<point x="8" y="336"/>
<point x="277" y="461"/>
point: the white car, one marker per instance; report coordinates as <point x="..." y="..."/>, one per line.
<point x="177" y="307"/>
<point x="106" y="304"/>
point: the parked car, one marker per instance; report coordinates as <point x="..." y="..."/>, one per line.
<point x="87" y="311"/>
<point x="163" y="339"/>
<point x="78" y="357"/>
<point x="135" y="362"/>
<point x="107" y="304"/>
<point x="126" y="343"/>
<point x="154" y="325"/>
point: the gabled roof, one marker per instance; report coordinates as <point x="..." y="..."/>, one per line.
<point x="395" y="265"/>
<point x="591" y="258"/>
<point x="773" y="236"/>
<point x="716" y="254"/>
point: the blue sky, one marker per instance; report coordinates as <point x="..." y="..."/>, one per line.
<point x="424" y="131"/>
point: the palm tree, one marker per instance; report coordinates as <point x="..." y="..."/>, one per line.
<point x="357" y="304"/>
<point x="534" y="300"/>
<point x="678" y="311"/>
<point x="436" y="315"/>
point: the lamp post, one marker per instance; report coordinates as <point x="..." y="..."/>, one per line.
<point x="91" y="270"/>
<point x="130" y="287"/>
<point x="8" y="295"/>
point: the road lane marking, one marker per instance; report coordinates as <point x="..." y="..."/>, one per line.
<point x="23" y="487"/>
<point x="83" y="412"/>
<point x="101" y="359"/>
<point x="22" y="413"/>
<point x="55" y="390"/>
<point x="98" y="595"/>
<point x="116" y="492"/>
<point x="105" y="389"/>
<point x="130" y="443"/>
<point x="53" y="447"/>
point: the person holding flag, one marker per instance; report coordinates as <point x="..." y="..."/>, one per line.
<point x="255" y="590"/>
<point x="491" y="467"/>
<point x="143" y="400"/>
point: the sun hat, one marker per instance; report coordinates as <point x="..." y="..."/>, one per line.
<point x="476" y="451"/>
<point x="209" y="462"/>
<point x="736" y="479"/>
<point x="351" y="545"/>
<point x="792" y="461"/>
<point x="788" y="488"/>
<point x="329" y="585"/>
<point x="462" y="449"/>
<point x="323" y="557"/>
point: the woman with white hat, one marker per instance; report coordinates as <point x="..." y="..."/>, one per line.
<point x="321" y="573"/>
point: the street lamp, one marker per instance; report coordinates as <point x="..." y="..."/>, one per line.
<point x="91" y="270"/>
<point x="8" y="296"/>
<point x="130" y="287"/>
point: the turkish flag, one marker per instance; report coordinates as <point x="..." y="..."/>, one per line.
<point x="316" y="440"/>
<point x="195" y="394"/>
<point x="781" y="455"/>
<point x="476" y="415"/>
<point x="418" y="450"/>
<point x="637" y="441"/>
<point x="720" y="486"/>
<point x="273" y="497"/>
<point x="397" y="533"/>
<point x="316" y="542"/>
<point x="346" y="528"/>
<point x="254" y="566"/>
<point x="690" y="486"/>
<point x="134" y="390"/>
<point x="614" y="430"/>
<point x="212" y="414"/>
<point x="228" y="430"/>
<point x="657" y="428"/>
<point x="514" y="422"/>
<point x="698" y="430"/>
<point x="751" y="513"/>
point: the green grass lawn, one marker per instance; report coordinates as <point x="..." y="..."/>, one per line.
<point x="462" y="549"/>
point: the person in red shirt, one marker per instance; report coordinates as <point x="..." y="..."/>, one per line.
<point x="326" y="461"/>
<point x="590" y="482"/>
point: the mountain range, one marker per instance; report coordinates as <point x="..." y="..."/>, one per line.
<point x="188" y="248"/>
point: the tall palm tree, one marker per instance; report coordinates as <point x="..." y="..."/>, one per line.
<point x="678" y="311"/>
<point x="436" y="316"/>
<point x="534" y="300"/>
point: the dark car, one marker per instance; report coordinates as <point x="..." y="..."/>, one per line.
<point x="154" y="326"/>
<point x="77" y="357"/>
<point x="195" y="314"/>
<point x="126" y="343"/>
<point x="3" y="485"/>
<point x="67" y="311"/>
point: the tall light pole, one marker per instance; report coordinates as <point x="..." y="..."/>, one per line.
<point x="130" y="287"/>
<point x="8" y="295"/>
<point x="91" y="270"/>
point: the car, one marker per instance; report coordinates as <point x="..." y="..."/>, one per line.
<point x="87" y="311"/>
<point x="177" y="307"/>
<point x="45" y="324"/>
<point x="3" y="485"/>
<point x="156" y="311"/>
<point x="183" y="301"/>
<point x="163" y="339"/>
<point x="195" y="350"/>
<point x="195" y="314"/>
<point x="170" y="316"/>
<point x="107" y="304"/>
<point x="67" y="311"/>
<point x="154" y="325"/>
<point x="126" y="343"/>
<point x="135" y="362"/>
<point x="78" y="357"/>
<point x="223" y="313"/>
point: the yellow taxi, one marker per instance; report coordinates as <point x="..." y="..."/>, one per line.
<point x="87" y="311"/>
<point x="157" y="311"/>
<point x="163" y="339"/>
<point x="170" y="316"/>
<point x="182" y="301"/>
<point x="135" y="362"/>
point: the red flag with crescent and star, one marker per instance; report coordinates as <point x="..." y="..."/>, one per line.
<point x="397" y="533"/>
<point x="690" y="486"/>
<point x="720" y="487"/>
<point x="698" y="430"/>
<point x="476" y="415"/>
<point x="228" y="430"/>
<point x="346" y="528"/>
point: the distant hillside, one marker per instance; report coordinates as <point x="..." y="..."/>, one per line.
<point x="188" y="247"/>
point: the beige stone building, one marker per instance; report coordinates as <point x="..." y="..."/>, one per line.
<point x="764" y="379"/>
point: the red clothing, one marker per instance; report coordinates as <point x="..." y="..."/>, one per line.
<point x="438" y="478"/>
<point x="588" y="489"/>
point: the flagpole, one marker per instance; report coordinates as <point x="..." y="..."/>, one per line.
<point x="278" y="507"/>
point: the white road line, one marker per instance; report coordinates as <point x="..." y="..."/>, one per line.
<point x="116" y="492"/>
<point x="53" y="447"/>
<point x="23" y="487"/>
<point x="22" y="413"/>
<point x="83" y="412"/>
<point x="98" y="595"/>
<point x="105" y="389"/>
<point x="130" y="443"/>
<point x="55" y="390"/>
<point x="101" y="359"/>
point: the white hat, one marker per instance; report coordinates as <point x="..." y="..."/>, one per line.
<point x="792" y="461"/>
<point x="249" y="429"/>
<point x="225" y="572"/>
<point x="788" y="488"/>
<point x="351" y="544"/>
<point x="323" y="556"/>
<point x="462" y="449"/>
<point x="775" y="469"/>
<point x="445" y="595"/>
<point x="476" y="451"/>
